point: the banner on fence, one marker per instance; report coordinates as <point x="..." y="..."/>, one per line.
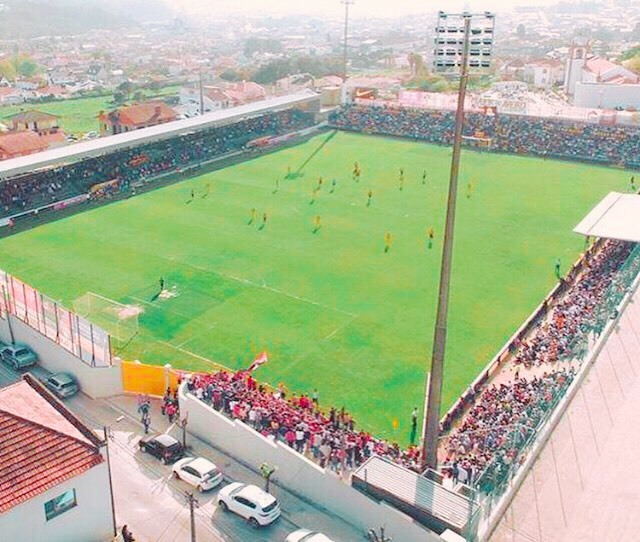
<point x="74" y="333"/>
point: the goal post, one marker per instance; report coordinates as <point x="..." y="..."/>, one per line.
<point x="477" y="142"/>
<point x="117" y="319"/>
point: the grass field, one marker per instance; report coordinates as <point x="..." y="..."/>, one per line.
<point x="333" y="310"/>
<point x="79" y="115"/>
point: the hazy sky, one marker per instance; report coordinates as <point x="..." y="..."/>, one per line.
<point x="361" y="8"/>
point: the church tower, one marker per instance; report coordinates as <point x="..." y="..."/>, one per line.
<point x="578" y="53"/>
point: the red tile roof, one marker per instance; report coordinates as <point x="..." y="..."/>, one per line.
<point x="599" y="65"/>
<point x="42" y="444"/>
<point x="32" y="116"/>
<point x="146" y="114"/>
<point x="216" y="94"/>
<point x="22" y="143"/>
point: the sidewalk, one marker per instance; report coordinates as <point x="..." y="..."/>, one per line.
<point x="296" y="513"/>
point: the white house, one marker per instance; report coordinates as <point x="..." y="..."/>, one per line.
<point x="10" y="96"/>
<point x="213" y="99"/>
<point x="544" y="74"/>
<point x="54" y="480"/>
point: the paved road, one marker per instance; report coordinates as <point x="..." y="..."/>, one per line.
<point x="153" y="503"/>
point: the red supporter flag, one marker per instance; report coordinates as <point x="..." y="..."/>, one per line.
<point x="260" y="360"/>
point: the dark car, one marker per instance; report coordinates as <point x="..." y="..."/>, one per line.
<point x="164" y="447"/>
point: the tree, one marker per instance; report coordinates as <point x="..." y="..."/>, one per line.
<point x="126" y="87"/>
<point x="139" y="96"/>
<point x="27" y="68"/>
<point x="633" y="64"/>
<point x="631" y="53"/>
<point x="521" y="31"/>
<point x="119" y="97"/>
<point x="230" y="75"/>
<point x="272" y="71"/>
<point x="417" y="65"/>
<point x="7" y="70"/>
<point x="262" y="45"/>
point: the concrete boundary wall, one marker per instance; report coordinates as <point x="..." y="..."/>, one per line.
<point x="298" y="474"/>
<point x="95" y="382"/>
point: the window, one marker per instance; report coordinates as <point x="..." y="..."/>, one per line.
<point x="60" y="504"/>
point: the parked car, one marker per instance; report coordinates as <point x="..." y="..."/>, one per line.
<point x="164" y="447"/>
<point x="198" y="472"/>
<point x="62" y="384"/>
<point x="305" y="535"/>
<point x="250" y="502"/>
<point x="18" y="356"/>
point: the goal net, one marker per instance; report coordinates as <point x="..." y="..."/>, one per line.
<point x="117" y="319"/>
<point x="477" y="142"/>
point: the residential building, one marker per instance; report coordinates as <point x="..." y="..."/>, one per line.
<point x="10" y="96"/>
<point x="54" y="477"/>
<point x="134" y="117"/>
<point x="244" y="92"/>
<point x="214" y="98"/>
<point x="544" y="74"/>
<point x="35" y="121"/>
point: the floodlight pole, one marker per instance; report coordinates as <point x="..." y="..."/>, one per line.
<point x="346" y="3"/>
<point x="431" y="429"/>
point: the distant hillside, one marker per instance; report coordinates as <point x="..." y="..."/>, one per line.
<point x="32" y="18"/>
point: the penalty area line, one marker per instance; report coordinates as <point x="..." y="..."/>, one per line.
<point x="265" y="286"/>
<point x="340" y="328"/>
<point x="193" y="354"/>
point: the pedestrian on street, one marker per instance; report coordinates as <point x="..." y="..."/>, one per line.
<point x="171" y="411"/>
<point x="146" y="421"/>
<point x="144" y="409"/>
<point x="127" y="536"/>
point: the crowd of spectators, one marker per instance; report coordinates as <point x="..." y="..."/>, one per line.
<point x="328" y="436"/>
<point x="569" y="140"/>
<point x="558" y="338"/>
<point x="141" y="163"/>
<point x="502" y="417"/>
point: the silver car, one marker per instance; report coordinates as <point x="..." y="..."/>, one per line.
<point x="63" y="384"/>
<point x="18" y="356"/>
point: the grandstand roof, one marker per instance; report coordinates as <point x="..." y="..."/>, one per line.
<point x="617" y="216"/>
<point x="97" y="147"/>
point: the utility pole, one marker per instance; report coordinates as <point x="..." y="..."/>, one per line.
<point x="7" y="313"/>
<point x="201" y="91"/>
<point x="193" y="504"/>
<point x="456" y="27"/>
<point x="183" y="422"/>
<point x="346" y="3"/>
<point x="107" y="436"/>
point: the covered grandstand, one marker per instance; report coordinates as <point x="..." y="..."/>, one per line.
<point x="307" y="100"/>
<point x="119" y="164"/>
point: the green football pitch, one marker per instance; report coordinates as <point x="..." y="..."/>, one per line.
<point x="333" y="309"/>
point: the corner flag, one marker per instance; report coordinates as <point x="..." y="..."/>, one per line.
<point x="260" y="360"/>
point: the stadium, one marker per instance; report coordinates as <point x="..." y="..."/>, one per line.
<point x="314" y="237"/>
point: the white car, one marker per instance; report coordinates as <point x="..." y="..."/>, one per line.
<point x="249" y="501"/>
<point x="198" y="472"/>
<point x="305" y="535"/>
